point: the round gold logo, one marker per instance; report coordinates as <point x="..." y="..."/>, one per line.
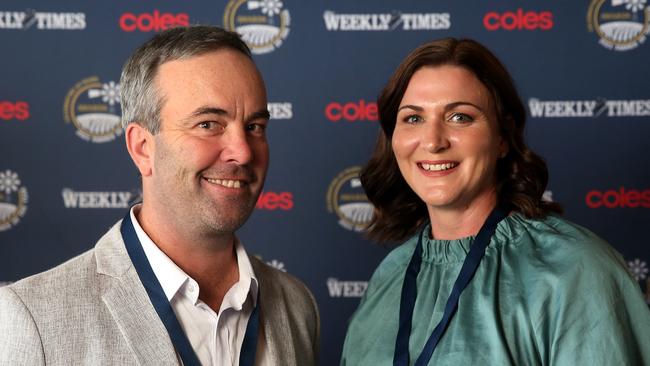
<point x="94" y="109"/>
<point x="13" y="199"/>
<point x="621" y="25"/>
<point x="262" y="24"/>
<point x="346" y="198"/>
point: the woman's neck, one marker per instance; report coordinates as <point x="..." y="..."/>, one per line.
<point x="448" y="223"/>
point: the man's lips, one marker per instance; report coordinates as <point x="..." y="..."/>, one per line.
<point x="228" y="183"/>
<point x="232" y="177"/>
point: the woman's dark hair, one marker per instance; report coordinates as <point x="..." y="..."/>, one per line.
<point x="521" y="175"/>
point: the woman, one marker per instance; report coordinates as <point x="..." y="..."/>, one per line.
<point x="451" y="172"/>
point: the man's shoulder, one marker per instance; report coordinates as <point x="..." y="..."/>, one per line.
<point x="283" y="289"/>
<point x="277" y="280"/>
<point x="75" y="277"/>
<point x="290" y="315"/>
<point x="43" y="307"/>
<point x="60" y="278"/>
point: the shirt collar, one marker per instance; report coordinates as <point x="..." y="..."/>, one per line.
<point x="173" y="279"/>
<point x="248" y="284"/>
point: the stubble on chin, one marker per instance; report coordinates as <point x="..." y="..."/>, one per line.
<point x="227" y="217"/>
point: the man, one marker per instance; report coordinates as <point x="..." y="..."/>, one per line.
<point x="170" y="283"/>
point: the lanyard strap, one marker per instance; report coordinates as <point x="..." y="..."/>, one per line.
<point x="164" y="308"/>
<point x="249" y="346"/>
<point x="409" y="292"/>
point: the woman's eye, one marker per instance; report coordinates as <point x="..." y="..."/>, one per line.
<point x="460" y="117"/>
<point x="414" y="118"/>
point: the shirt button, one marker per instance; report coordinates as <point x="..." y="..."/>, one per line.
<point x="190" y="287"/>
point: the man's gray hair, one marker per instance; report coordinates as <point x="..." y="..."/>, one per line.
<point x="141" y="102"/>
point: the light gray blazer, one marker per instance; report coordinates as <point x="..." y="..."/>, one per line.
<point x="93" y="310"/>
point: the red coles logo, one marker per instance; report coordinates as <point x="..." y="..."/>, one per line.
<point x="352" y="111"/>
<point x="621" y="198"/>
<point x="17" y="110"/>
<point x="155" y="21"/>
<point x="518" y="20"/>
<point x="275" y="201"/>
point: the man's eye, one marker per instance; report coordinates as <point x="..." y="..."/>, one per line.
<point x="205" y="125"/>
<point x="256" y="127"/>
<point x="208" y="125"/>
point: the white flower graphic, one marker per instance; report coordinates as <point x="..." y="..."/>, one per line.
<point x="272" y="7"/>
<point x="111" y="93"/>
<point x="638" y="268"/>
<point x="277" y="265"/>
<point x="634" y="5"/>
<point x="9" y="181"/>
<point x="547" y="196"/>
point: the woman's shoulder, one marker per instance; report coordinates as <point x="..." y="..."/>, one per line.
<point x="576" y="289"/>
<point x="559" y="248"/>
<point x="552" y="234"/>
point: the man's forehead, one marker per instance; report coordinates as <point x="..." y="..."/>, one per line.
<point x="222" y="57"/>
<point x="226" y="80"/>
<point x="226" y="67"/>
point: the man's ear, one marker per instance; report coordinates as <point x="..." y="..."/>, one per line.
<point x="141" y="147"/>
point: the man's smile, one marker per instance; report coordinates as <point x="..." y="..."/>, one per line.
<point x="229" y="183"/>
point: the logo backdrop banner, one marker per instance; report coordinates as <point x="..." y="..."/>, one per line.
<point x="65" y="176"/>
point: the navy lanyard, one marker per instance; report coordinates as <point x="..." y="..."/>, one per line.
<point x="409" y="292"/>
<point x="164" y="308"/>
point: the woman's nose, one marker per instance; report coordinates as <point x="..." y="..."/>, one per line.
<point x="435" y="138"/>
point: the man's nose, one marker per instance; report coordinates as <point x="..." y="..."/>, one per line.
<point x="236" y="147"/>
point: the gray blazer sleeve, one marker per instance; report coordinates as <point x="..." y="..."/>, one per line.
<point x="20" y="342"/>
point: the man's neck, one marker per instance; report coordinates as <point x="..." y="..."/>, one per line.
<point x="210" y="260"/>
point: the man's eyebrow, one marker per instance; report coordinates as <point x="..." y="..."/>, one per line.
<point x="263" y="114"/>
<point x="201" y="111"/>
<point x="206" y="110"/>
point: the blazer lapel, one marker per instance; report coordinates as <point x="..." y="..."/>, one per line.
<point x="129" y="304"/>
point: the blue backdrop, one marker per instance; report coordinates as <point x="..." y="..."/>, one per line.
<point x="65" y="177"/>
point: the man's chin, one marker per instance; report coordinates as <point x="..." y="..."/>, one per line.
<point x="228" y="222"/>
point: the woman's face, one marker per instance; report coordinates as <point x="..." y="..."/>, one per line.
<point x="446" y="138"/>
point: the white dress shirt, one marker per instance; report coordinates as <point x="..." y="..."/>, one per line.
<point x="215" y="337"/>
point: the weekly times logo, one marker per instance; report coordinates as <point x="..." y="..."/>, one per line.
<point x="73" y="199"/>
<point x="13" y="199"/>
<point x="588" y="108"/>
<point x="33" y="19"/>
<point x="338" y="288"/>
<point x="93" y="107"/>
<point x="396" y="20"/>
<point x="262" y="24"/>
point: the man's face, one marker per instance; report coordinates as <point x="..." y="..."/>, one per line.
<point x="211" y="154"/>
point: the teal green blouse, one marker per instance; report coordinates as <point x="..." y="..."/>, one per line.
<point x="547" y="292"/>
